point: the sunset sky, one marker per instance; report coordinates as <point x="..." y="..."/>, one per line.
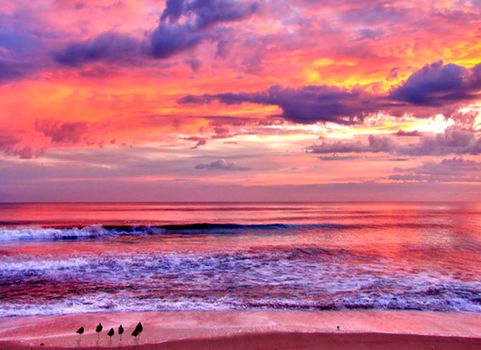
<point x="208" y="100"/>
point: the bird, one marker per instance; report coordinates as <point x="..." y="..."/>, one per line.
<point x="138" y="329"/>
<point x="111" y="332"/>
<point x="80" y="331"/>
<point x="338" y="328"/>
<point x="99" y="329"/>
<point x="121" y="331"/>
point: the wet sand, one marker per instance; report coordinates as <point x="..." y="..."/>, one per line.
<point x="249" y="330"/>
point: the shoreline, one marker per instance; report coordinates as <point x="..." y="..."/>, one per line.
<point x="243" y="329"/>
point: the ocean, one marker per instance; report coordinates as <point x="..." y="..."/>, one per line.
<point x="93" y="257"/>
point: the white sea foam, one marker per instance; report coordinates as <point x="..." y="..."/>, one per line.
<point x="261" y="279"/>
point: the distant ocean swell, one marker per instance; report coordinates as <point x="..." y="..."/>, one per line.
<point x="33" y="233"/>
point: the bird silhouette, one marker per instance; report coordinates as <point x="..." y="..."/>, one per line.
<point x="111" y="332"/>
<point x="138" y="329"/>
<point x="121" y="331"/>
<point x="80" y="331"/>
<point x="99" y="329"/>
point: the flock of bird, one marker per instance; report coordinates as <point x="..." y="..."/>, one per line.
<point x="138" y="329"/>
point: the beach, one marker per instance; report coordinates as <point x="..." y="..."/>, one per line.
<point x="241" y="276"/>
<point x="249" y="330"/>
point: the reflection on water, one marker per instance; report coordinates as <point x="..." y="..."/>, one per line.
<point x="62" y="258"/>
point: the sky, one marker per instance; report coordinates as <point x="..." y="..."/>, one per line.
<point x="240" y="100"/>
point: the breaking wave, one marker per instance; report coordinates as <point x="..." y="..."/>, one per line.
<point x="106" y="231"/>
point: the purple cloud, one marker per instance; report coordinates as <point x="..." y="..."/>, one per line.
<point x="173" y="36"/>
<point x="448" y="170"/>
<point x="10" y="70"/>
<point x="438" y="84"/>
<point x="434" y="85"/>
<point x="221" y="164"/>
<point x="453" y="141"/>
<point x="110" y="47"/>
<point x="211" y="12"/>
<point x="308" y="104"/>
<point x="170" y="39"/>
<point x="20" y="46"/>
<point x="375" y="144"/>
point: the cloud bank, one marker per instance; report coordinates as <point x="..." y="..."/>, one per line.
<point x="434" y="85"/>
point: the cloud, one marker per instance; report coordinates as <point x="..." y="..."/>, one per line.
<point x="183" y="25"/>
<point x="62" y="132"/>
<point x="170" y="39"/>
<point x="434" y="85"/>
<point x="336" y="158"/>
<point x="7" y="141"/>
<point x="20" y="47"/>
<point x="173" y="36"/>
<point x="221" y="164"/>
<point x="375" y="144"/>
<point x="210" y="12"/>
<point x="173" y="10"/>
<point x="10" y="70"/>
<point x="438" y="84"/>
<point x="408" y="133"/>
<point x="200" y="141"/>
<point x="448" y="170"/>
<point x="205" y="13"/>
<point x="11" y="144"/>
<point x="109" y="47"/>
<point x="307" y="104"/>
<point x="453" y="141"/>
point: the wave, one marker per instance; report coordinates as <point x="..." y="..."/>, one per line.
<point x="112" y="231"/>
<point x="302" y="278"/>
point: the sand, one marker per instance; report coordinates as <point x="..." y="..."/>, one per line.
<point x="249" y="330"/>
